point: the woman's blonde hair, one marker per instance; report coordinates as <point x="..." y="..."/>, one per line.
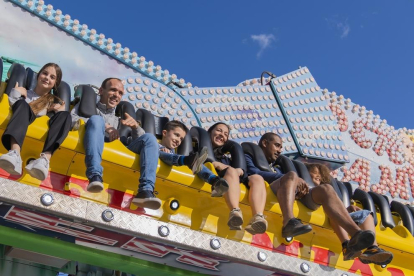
<point x="48" y="99"/>
<point x="323" y="170"/>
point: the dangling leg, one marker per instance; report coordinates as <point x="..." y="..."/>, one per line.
<point x="93" y="142"/>
<point x="147" y="148"/>
<point x="59" y="127"/>
<point x="257" y="199"/>
<point x="232" y="198"/>
<point x="14" y="135"/>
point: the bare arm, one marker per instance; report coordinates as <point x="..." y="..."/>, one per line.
<point x="352" y="208"/>
<point x="134" y="125"/>
<point x="219" y="166"/>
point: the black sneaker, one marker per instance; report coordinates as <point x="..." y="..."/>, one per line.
<point x="295" y="227"/>
<point x="361" y="240"/>
<point x="348" y="254"/>
<point x="95" y="184"/>
<point x="147" y="199"/>
<point x="219" y="186"/>
<point x="376" y="255"/>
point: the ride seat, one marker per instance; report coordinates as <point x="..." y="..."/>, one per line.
<point x="63" y="91"/>
<point x="411" y="208"/>
<point x="202" y="139"/>
<point x="16" y="73"/>
<point x="303" y="172"/>
<point x="261" y="163"/>
<point x="405" y="214"/>
<point x="27" y="78"/>
<point x="284" y="162"/>
<point x="384" y="208"/>
<point x="1" y="69"/>
<point x="154" y="124"/>
<point x="341" y="191"/>
<point x="363" y="198"/>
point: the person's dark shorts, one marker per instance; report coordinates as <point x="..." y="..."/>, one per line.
<point x="307" y="200"/>
<point x="244" y="179"/>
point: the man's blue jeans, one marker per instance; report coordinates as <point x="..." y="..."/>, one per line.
<point x="146" y="146"/>
<point x="172" y="159"/>
<point x="93" y="143"/>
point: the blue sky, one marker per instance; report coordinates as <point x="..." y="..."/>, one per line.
<point x="361" y="49"/>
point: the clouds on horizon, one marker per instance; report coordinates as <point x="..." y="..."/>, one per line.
<point x="264" y="41"/>
<point x="25" y="37"/>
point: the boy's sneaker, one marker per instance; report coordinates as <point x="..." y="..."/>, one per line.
<point x="202" y="157"/>
<point x="348" y="254"/>
<point x="39" y="168"/>
<point x="95" y="184"/>
<point x="76" y="125"/>
<point x="361" y="240"/>
<point x="257" y="225"/>
<point x="235" y="221"/>
<point x="196" y="160"/>
<point x="376" y="255"/>
<point x="219" y="186"/>
<point x="295" y="227"/>
<point x="11" y="162"/>
<point x="147" y="199"/>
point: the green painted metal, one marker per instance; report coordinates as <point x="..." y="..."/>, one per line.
<point x="73" y="252"/>
<point x="17" y="267"/>
<point x="8" y="61"/>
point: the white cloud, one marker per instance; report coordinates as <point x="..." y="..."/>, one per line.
<point x="342" y="26"/>
<point x="264" y="40"/>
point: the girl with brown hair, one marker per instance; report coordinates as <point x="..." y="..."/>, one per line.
<point x="219" y="135"/>
<point x="27" y="105"/>
<point x="363" y="218"/>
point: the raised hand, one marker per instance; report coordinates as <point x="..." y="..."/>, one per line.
<point x="302" y="189"/>
<point x="353" y="208"/>
<point x="219" y="166"/>
<point x="239" y="171"/>
<point x="21" y="90"/>
<point x="165" y="150"/>
<point x="129" y="121"/>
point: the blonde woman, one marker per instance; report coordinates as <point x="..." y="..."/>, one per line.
<point x="27" y="105"/>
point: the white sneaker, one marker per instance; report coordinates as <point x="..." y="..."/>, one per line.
<point x="11" y="162"/>
<point x="39" y="168"/>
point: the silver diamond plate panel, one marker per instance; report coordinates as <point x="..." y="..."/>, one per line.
<point x="147" y="228"/>
<point x="24" y="195"/>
